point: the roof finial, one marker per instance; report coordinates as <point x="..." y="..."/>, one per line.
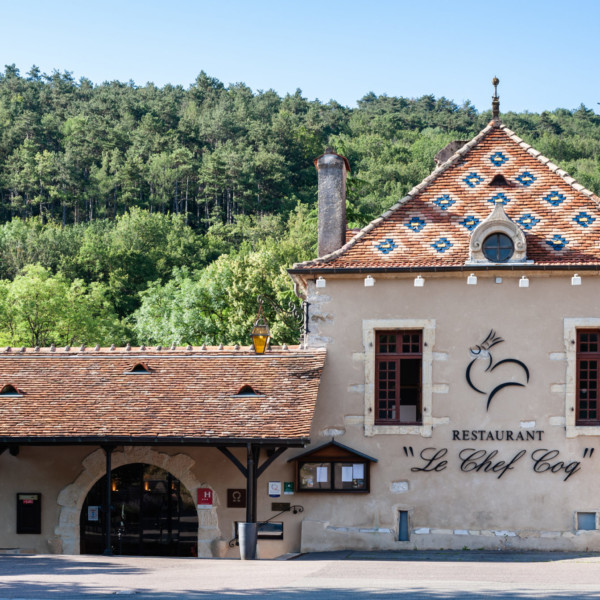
<point x="495" y="100"/>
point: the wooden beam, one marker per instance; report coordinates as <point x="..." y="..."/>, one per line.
<point x="234" y="460"/>
<point x="276" y="454"/>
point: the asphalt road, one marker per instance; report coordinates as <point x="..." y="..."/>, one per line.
<point x="320" y="576"/>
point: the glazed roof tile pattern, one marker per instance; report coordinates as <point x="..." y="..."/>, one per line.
<point x="431" y="226"/>
<point x="187" y="394"/>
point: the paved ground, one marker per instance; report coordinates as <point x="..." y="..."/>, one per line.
<point x="319" y="576"/>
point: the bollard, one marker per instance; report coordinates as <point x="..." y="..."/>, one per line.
<point x="247" y="540"/>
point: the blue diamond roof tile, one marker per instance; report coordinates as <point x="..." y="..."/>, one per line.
<point x="441" y="245"/>
<point x="386" y="246"/>
<point x="415" y="224"/>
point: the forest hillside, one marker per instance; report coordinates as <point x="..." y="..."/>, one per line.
<point x="158" y="215"/>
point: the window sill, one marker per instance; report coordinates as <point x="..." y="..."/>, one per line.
<point x="424" y="430"/>
<point x="577" y="430"/>
<point x="395" y="424"/>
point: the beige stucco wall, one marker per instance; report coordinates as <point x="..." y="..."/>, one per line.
<point x="447" y="509"/>
<point x="64" y="476"/>
<point x="452" y="508"/>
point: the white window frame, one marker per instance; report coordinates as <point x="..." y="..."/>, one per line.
<point x="591" y="511"/>
<point x="571" y="325"/>
<point x="427" y="327"/>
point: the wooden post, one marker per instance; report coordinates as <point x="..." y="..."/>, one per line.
<point x="107" y="501"/>
<point x="250" y="485"/>
<point x="248" y="531"/>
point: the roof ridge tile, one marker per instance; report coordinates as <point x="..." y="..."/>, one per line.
<point x="124" y="351"/>
<point x="548" y="163"/>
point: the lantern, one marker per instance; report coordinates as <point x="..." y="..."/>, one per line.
<point x="260" y="333"/>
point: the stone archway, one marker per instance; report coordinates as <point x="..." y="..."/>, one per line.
<point x="72" y="497"/>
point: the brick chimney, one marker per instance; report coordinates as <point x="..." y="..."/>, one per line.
<point x="445" y="153"/>
<point x="332" y="169"/>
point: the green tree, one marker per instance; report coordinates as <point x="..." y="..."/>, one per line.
<point x="38" y="309"/>
<point x="218" y="304"/>
<point x="138" y="248"/>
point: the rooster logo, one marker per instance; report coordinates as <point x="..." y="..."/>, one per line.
<point x="482" y="353"/>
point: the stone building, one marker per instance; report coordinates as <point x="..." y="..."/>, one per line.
<point x="462" y="330"/>
<point x="176" y="429"/>
<point x="454" y="346"/>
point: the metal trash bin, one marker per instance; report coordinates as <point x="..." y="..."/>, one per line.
<point x="247" y="539"/>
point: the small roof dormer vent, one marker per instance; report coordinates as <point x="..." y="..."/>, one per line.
<point x="500" y="181"/>
<point x="10" y="391"/>
<point x="139" y="369"/>
<point x="247" y="391"/>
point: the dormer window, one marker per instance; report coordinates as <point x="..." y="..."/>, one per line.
<point x="10" y="391"/>
<point x="139" y="369"/>
<point x="497" y="240"/>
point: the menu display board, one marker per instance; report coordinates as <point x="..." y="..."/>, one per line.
<point x="29" y="513"/>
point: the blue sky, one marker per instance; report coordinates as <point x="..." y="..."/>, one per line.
<point x="544" y="52"/>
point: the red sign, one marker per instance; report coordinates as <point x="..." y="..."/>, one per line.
<point x="205" y="497"/>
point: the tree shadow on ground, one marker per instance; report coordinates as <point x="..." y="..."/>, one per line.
<point x="460" y="556"/>
<point x="55" y="565"/>
<point x="18" y="575"/>
<point x="71" y="591"/>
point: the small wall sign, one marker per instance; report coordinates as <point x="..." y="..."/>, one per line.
<point x="236" y="498"/>
<point x="93" y="513"/>
<point x="274" y="489"/>
<point x="288" y="488"/>
<point x="205" y="498"/>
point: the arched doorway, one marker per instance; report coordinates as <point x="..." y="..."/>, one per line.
<point x="152" y="514"/>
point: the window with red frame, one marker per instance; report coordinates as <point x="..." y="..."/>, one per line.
<point x="398" y="364"/>
<point x="588" y="361"/>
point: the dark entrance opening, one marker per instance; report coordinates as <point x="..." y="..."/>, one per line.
<point x="152" y="514"/>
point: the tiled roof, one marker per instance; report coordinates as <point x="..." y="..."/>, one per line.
<point x="189" y="394"/>
<point x="431" y="226"/>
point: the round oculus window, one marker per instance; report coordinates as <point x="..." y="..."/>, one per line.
<point x="498" y="247"/>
